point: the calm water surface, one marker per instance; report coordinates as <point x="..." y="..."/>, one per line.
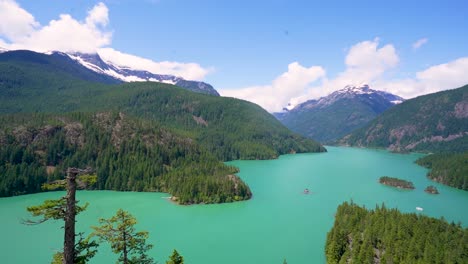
<point x="279" y="222"/>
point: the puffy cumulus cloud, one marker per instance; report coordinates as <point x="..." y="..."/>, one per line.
<point x="419" y="43"/>
<point x="368" y="55"/>
<point x="15" y="23"/>
<point x="189" y="71"/>
<point x="275" y="96"/>
<point x="19" y="30"/>
<point x="99" y="15"/>
<point x="64" y="34"/>
<point x="433" y="79"/>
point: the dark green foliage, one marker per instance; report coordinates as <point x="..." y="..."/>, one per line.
<point x="124" y="240"/>
<point x="395" y="182"/>
<point x="388" y="236"/>
<point x="434" y="122"/>
<point x="175" y="258"/>
<point x="449" y="168"/>
<point x="129" y="155"/>
<point x="229" y="128"/>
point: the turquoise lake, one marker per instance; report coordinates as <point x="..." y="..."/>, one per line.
<point x="280" y="221"/>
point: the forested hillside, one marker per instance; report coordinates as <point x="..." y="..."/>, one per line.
<point x="448" y="168"/>
<point x="386" y="235"/>
<point x="426" y="123"/>
<point x="128" y="154"/>
<point x="232" y="128"/>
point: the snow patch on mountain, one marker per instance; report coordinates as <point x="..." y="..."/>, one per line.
<point x="127" y="74"/>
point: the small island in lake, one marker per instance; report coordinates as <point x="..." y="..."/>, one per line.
<point x="431" y="189"/>
<point x="395" y="182"/>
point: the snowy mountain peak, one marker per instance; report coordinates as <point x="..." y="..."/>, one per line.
<point x="337" y="114"/>
<point x="124" y="73"/>
<point x="362" y="92"/>
<point x="361" y="89"/>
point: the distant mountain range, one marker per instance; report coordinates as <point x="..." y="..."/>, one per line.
<point x="336" y="115"/>
<point x="110" y="71"/>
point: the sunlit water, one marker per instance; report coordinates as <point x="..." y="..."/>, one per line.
<point x="279" y="222"/>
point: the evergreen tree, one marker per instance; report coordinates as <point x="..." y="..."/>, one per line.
<point x="175" y="258"/>
<point x="66" y="209"/>
<point x="120" y="232"/>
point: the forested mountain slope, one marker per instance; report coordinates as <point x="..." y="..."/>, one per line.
<point x="430" y="122"/>
<point x="128" y="154"/>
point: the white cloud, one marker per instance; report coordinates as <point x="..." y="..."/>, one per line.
<point x="365" y="62"/>
<point x="189" y="71"/>
<point x="64" y="34"/>
<point x="433" y="79"/>
<point x="275" y="96"/>
<point x="15" y="22"/>
<point x="20" y="30"/>
<point x="99" y="15"/>
<point x="419" y="43"/>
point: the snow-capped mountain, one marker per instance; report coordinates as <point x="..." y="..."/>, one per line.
<point x="362" y="93"/>
<point x="127" y="74"/>
<point x="333" y="116"/>
<point x="112" y="73"/>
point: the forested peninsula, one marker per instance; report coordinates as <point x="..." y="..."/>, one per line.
<point x="383" y="235"/>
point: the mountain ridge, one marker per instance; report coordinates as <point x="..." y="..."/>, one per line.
<point x="331" y="117"/>
<point x="108" y="71"/>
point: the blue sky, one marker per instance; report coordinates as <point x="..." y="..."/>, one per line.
<point x="247" y="49"/>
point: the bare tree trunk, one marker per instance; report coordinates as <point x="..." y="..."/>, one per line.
<point x="125" y="249"/>
<point x="70" y="213"/>
<point x="124" y="234"/>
